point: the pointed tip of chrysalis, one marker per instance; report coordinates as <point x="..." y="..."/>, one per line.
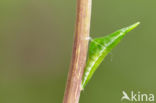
<point x="131" y="27"/>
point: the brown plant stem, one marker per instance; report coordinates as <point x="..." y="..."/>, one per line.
<point x="79" y="54"/>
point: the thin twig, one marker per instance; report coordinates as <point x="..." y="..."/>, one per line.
<point x="79" y="55"/>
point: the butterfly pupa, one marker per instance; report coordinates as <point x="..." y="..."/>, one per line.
<point x="99" y="48"/>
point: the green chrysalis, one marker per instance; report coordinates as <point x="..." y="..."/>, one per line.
<point x="99" y="48"/>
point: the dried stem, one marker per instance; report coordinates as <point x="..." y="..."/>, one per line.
<point x="79" y="55"/>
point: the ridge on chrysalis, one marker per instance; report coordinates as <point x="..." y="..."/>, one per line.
<point x="99" y="48"/>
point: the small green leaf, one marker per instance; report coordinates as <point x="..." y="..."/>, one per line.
<point x="99" y="48"/>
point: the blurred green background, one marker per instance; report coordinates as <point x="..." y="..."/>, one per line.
<point x="36" y="38"/>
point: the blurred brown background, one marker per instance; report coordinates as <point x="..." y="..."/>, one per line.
<point x="36" y="39"/>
